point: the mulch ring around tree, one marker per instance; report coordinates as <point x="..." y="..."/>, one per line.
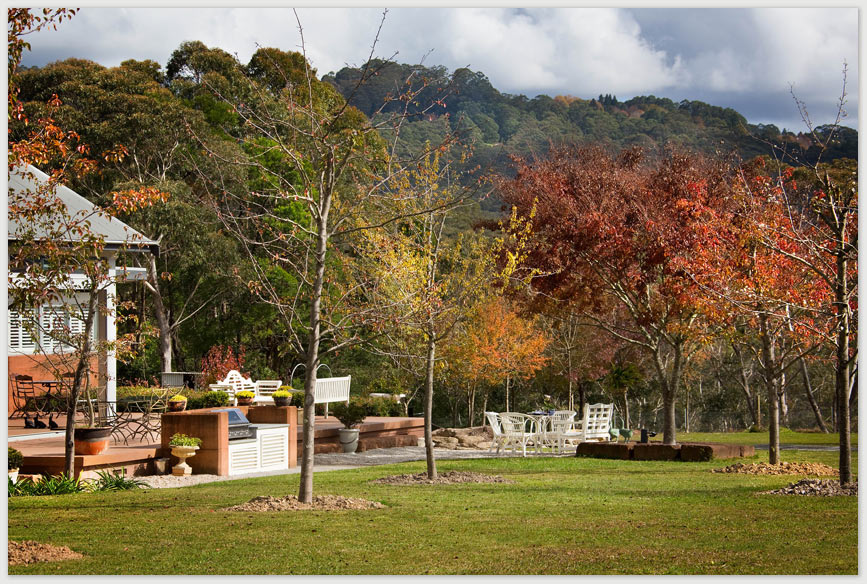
<point x="445" y="478"/>
<point x="784" y="468"/>
<point x="816" y="488"/>
<point x="30" y="552"/>
<point x="291" y="503"/>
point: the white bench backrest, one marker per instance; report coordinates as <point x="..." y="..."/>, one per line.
<point x="332" y="389"/>
<point x="265" y="387"/>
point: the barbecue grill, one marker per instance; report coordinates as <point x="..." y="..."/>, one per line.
<point x="239" y="425"/>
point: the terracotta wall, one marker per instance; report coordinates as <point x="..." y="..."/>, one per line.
<point x="38" y="367"/>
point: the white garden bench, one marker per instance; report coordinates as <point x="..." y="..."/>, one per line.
<point x="332" y="389"/>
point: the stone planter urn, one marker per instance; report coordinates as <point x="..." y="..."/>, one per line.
<point x="348" y="439"/>
<point x="281" y="402"/>
<point x="183" y="469"/>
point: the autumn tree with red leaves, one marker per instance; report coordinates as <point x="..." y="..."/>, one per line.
<point x="622" y="231"/>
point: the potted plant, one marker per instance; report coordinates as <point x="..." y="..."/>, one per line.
<point x="282" y="398"/>
<point x="350" y="415"/>
<point x="177" y="403"/>
<point x="183" y="447"/>
<point x="91" y="437"/>
<point x="15" y="460"/>
<point x="245" y="398"/>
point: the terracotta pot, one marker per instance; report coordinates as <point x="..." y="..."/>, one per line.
<point x="177" y="406"/>
<point x="90" y="441"/>
<point x="244" y="401"/>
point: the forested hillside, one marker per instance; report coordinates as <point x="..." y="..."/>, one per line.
<point x="499" y="125"/>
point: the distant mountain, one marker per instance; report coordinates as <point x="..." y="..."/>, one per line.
<point x="500" y="125"/>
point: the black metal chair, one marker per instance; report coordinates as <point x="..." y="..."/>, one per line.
<point x="23" y="395"/>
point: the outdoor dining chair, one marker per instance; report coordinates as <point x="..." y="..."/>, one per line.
<point x="496" y="426"/>
<point x="23" y="394"/>
<point x="559" y="425"/>
<point x="519" y="430"/>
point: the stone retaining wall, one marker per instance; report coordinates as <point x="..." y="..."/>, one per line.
<point x="686" y="452"/>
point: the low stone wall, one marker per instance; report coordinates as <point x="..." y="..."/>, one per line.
<point x="686" y="451"/>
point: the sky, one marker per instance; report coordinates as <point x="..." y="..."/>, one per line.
<point x="749" y="59"/>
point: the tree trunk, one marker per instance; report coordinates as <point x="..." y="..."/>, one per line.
<point x="305" y="488"/>
<point x="626" y="409"/>
<point x="507" y="393"/>
<point x="428" y="407"/>
<point x="669" y="383"/>
<point x="82" y="371"/>
<point x="771" y="384"/>
<point x="808" y="387"/>
<point x="842" y="373"/>
<point x="160" y="314"/>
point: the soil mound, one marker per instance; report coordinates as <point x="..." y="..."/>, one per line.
<point x="30" y="552"/>
<point x="784" y="468"/>
<point x="446" y="478"/>
<point x="291" y="503"/>
<point x="816" y="488"/>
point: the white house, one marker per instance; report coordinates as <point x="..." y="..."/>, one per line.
<point x="27" y="355"/>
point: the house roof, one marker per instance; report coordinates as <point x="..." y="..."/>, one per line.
<point x="114" y="232"/>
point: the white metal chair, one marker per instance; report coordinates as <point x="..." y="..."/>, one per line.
<point x="519" y="430"/>
<point x="499" y="438"/>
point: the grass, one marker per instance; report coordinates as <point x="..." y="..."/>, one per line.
<point x="561" y="516"/>
<point x="786" y="437"/>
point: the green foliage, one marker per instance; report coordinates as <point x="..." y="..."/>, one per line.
<point x="198" y="400"/>
<point x="179" y="439"/>
<point x="380" y="406"/>
<point x="350" y="415"/>
<point x="298" y="399"/>
<point x="15" y="458"/>
<point x="53" y="485"/>
<point x="115" y="481"/>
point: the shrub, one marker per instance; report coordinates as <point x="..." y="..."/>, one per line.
<point x="755" y="428"/>
<point x="381" y="406"/>
<point x="207" y="399"/>
<point x="115" y="481"/>
<point x="281" y="393"/>
<point x="245" y="394"/>
<point x="218" y="362"/>
<point x="298" y="399"/>
<point x="178" y="398"/>
<point x="350" y="415"/>
<point x="184" y="440"/>
<point x="55" y="485"/>
<point x="15" y="458"/>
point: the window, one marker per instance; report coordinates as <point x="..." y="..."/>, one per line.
<point x="56" y="327"/>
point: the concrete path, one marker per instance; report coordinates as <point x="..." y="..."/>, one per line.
<point x="324" y="463"/>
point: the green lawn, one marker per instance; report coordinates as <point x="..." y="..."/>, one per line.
<point x="561" y="516"/>
<point x="786" y="437"/>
